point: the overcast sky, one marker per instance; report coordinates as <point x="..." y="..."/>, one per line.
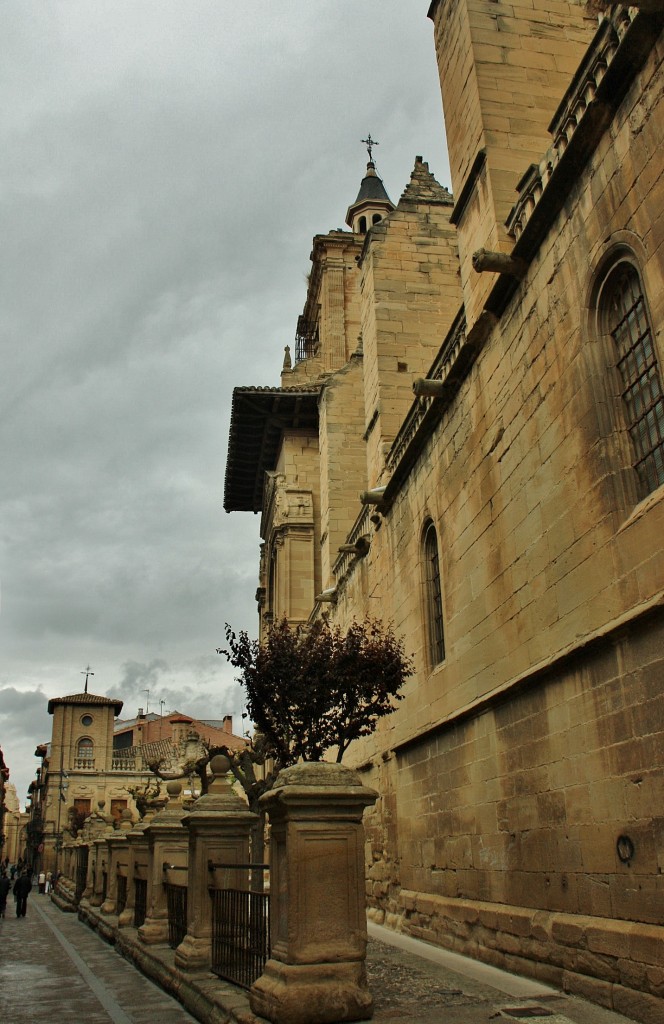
<point x="164" y="165"/>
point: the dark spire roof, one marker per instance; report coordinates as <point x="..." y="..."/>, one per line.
<point x="372" y="187"/>
<point x="372" y="195"/>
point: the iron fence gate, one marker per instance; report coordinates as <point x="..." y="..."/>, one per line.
<point x="81" y="872"/>
<point x="140" y="901"/>
<point x="121" y="898"/>
<point x="104" y="885"/>
<point x="240" y="929"/>
<point x="176" y="901"/>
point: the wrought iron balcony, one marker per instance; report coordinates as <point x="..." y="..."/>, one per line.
<point x="307" y="339"/>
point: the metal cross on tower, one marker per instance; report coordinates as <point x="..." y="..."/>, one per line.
<point x="87" y="672"/>
<point x="370" y="143"/>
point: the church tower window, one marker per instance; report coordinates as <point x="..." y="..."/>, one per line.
<point x="626" y="319"/>
<point x="85" y="750"/>
<point x="433" y="597"/>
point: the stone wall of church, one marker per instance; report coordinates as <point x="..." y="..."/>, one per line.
<point x="410" y="294"/>
<point x="503" y="70"/>
<point x="342" y="460"/>
<point x="292" y="533"/>
<point x="510" y="771"/>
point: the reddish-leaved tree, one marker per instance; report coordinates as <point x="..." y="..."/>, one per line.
<point x="313" y="688"/>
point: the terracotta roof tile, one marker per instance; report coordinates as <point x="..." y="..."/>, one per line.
<point x="84" y="698"/>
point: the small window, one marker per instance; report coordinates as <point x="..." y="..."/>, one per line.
<point x="85" y="750"/>
<point x="627" y="321"/>
<point x="433" y="596"/>
<point x="363" y="225"/>
<point x="86" y="720"/>
<point x="376" y="218"/>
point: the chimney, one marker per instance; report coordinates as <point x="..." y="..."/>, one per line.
<point x="141" y="713"/>
<point x="228" y="724"/>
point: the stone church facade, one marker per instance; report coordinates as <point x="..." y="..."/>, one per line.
<point x="468" y="442"/>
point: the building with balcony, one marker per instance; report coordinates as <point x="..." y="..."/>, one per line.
<point x="94" y="761"/>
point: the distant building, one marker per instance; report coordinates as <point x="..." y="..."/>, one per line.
<point x="485" y="370"/>
<point x="93" y="761"/>
<point x="14" y="827"/>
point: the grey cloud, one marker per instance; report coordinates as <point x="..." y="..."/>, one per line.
<point x="21" y="703"/>
<point x="163" y="167"/>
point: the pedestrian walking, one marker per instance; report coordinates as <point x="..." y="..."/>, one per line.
<point x="41" y="882"/>
<point x="5" y="886"/>
<point x="49" y="880"/>
<point x="22" y="886"/>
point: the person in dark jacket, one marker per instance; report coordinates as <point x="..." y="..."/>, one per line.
<point x="22" y="886"/>
<point x="5" y="886"/>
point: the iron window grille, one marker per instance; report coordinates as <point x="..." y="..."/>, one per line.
<point x="643" y="402"/>
<point x="433" y="597"/>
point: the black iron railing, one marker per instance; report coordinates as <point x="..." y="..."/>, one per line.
<point x="240" y="928"/>
<point x="121" y="898"/>
<point x="140" y="901"/>
<point x="307" y="339"/>
<point x="176" y="901"/>
<point x="104" y="885"/>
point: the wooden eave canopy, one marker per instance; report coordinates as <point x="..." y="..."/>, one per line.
<point x="259" y="418"/>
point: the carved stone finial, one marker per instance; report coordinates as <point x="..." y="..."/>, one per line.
<point x="220" y="765"/>
<point x="173" y="788"/>
<point x="288" y="362"/>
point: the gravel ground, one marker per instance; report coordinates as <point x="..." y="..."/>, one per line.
<point x="412" y="990"/>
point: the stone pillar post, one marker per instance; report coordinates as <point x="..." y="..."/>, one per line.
<point x="95" y="883"/>
<point x="66" y="859"/>
<point x="167" y="841"/>
<point x="67" y="882"/>
<point x="90" y="879"/>
<point x="116" y="845"/>
<point x="137" y="843"/>
<point x="95" y="825"/>
<point x="219" y="826"/>
<point x="122" y="865"/>
<point x="316" y="973"/>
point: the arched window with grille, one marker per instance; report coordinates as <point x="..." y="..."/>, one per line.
<point x="85" y="750"/>
<point x="433" y="597"/>
<point x="625" y="318"/>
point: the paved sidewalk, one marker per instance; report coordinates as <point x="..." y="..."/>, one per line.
<point x="54" y="968"/>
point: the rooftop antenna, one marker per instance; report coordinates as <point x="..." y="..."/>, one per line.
<point x="87" y="672"/>
<point x="370" y="143"/>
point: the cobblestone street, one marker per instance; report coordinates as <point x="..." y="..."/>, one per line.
<point x="52" y="967"/>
